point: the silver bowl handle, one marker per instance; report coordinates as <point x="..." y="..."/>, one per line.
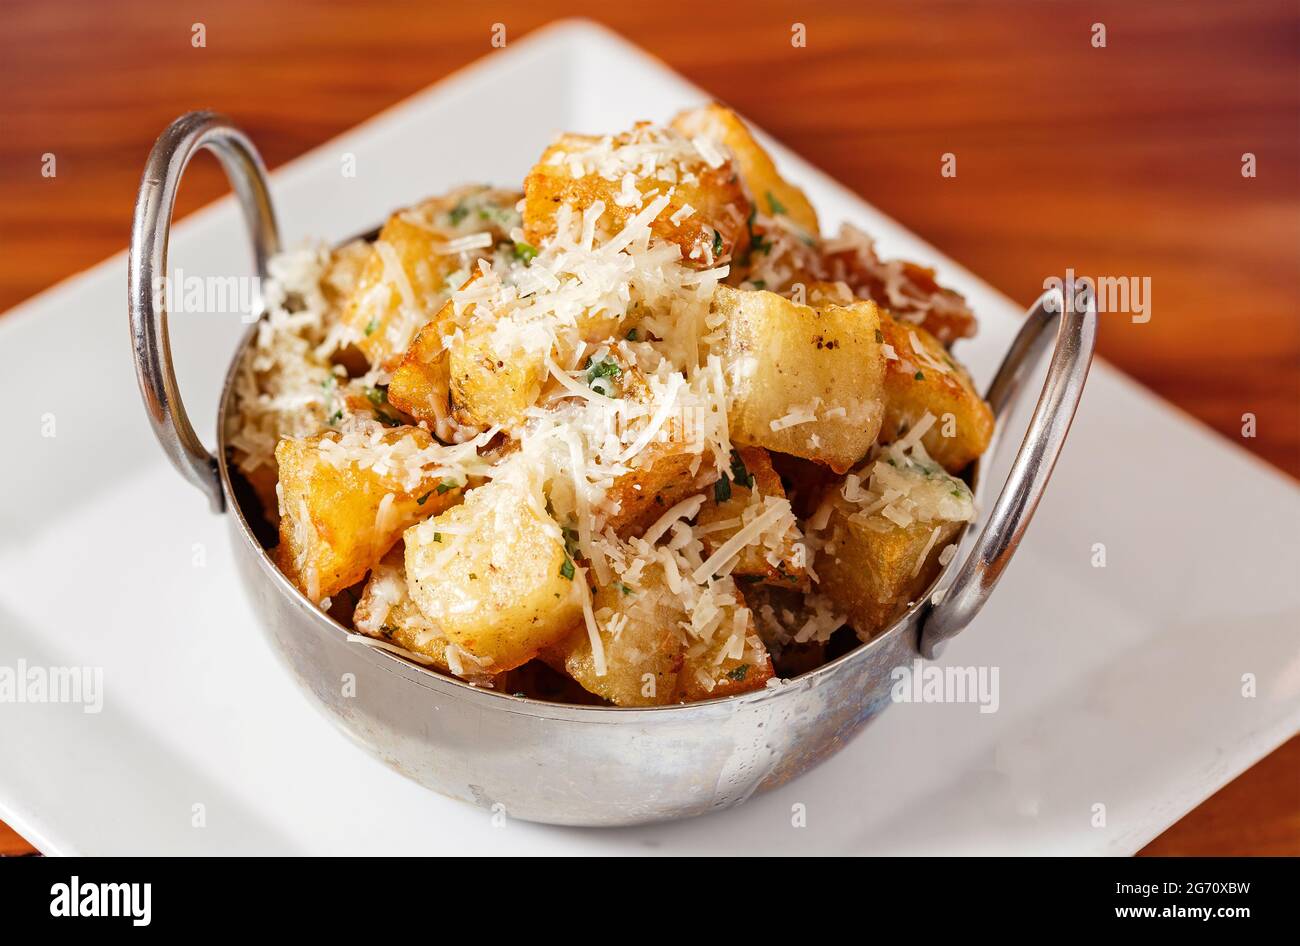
<point x="1076" y="336"/>
<point x="150" y="234"/>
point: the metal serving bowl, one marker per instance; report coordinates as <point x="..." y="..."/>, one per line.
<point x="551" y="762"/>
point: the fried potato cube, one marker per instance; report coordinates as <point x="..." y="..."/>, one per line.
<point x="494" y="574"/>
<point x="802" y="380"/>
<point x="752" y="479"/>
<point x="734" y="661"/>
<point x="667" y="472"/>
<point x="414" y="266"/>
<point x="641" y="640"/>
<point x="492" y="382"/>
<point x="421" y="382"/>
<point x="922" y="377"/>
<point x="906" y="290"/>
<point x="386" y="612"/>
<point x="339" y="517"/>
<point x="707" y="212"/>
<point x="768" y="190"/>
<point x="875" y="561"/>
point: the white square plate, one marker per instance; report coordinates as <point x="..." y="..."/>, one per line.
<point x="1121" y="686"/>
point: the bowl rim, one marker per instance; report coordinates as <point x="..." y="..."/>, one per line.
<point x="433" y="679"/>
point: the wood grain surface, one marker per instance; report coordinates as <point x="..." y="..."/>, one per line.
<point x="1117" y="161"/>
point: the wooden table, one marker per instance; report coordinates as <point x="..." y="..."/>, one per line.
<point x="1122" y="160"/>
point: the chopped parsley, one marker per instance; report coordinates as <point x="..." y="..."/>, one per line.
<point x="437" y="537"/>
<point x="422" y="499"/>
<point x="739" y="473"/>
<point x="602" y="374"/>
<point x="446" y="486"/>
<point x="371" y="326"/>
<point x="919" y="376"/>
<point x="739" y="673"/>
<point x="722" y="489"/>
<point x="631" y="335"/>
<point x="378" y="396"/>
<point x="458" y="213"/>
<point x="776" y="205"/>
<point x="717" y="243"/>
<point x="566" y="570"/>
<point x="525" y="252"/>
<point x="626" y="589"/>
<point x="570" y="541"/>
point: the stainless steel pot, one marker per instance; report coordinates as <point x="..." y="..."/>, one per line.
<point x="562" y="764"/>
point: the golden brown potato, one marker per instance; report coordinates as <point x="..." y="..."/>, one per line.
<point x="421" y="382"/>
<point x="641" y="641"/>
<point x="710" y="672"/>
<point x="651" y="660"/>
<point x="415" y="265"/>
<point x="665" y="475"/>
<point x="386" y="612"/>
<point x="876" y="559"/>
<point x="922" y="377"/>
<point x="907" y="291"/>
<point x="338" y="517"/>
<point x="707" y="211"/>
<point x="771" y="193"/>
<point x="804" y="381"/>
<point x="490" y="384"/>
<point x="494" y="574"/>
<point x="752" y="478"/>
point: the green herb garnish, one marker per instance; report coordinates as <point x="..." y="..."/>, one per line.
<point x="421" y="500"/>
<point x="919" y="376"/>
<point x="601" y="375"/>
<point x="566" y="570"/>
<point x="722" y="489"/>
<point x="717" y="243"/>
<point x="447" y="486"/>
<point x="458" y="213"/>
<point x="739" y="473"/>
<point x="631" y="335"/>
<point x="739" y="673"/>
<point x="525" y="252"/>
<point x="776" y="205"/>
<point x="378" y="396"/>
<point x="371" y="326"/>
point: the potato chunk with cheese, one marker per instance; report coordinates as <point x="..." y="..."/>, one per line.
<point x="705" y="209"/>
<point x="421" y="255"/>
<point x="387" y="613"/>
<point x="920" y="378"/>
<point x="339" y="514"/>
<point x="641" y="644"/>
<point x="739" y="498"/>
<point x="494" y="574"/>
<point x="804" y="381"/>
<point x="767" y="189"/>
<point x="732" y="661"/>
<point x="884" y="532"/>
<point x="493" y="381"/>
